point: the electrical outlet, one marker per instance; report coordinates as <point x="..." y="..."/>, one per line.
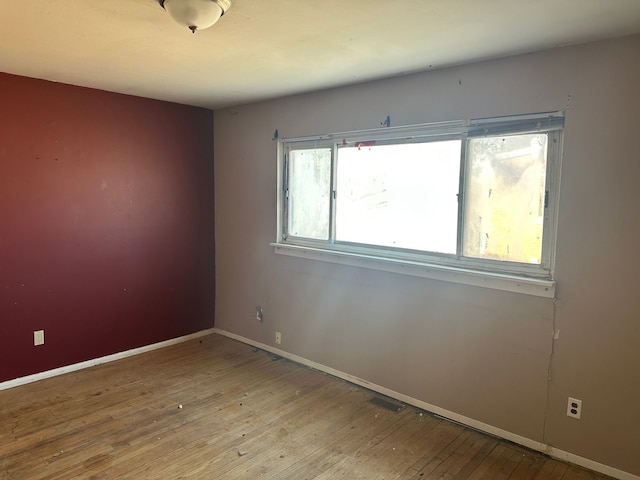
<point x="259" y="314"/>
<point x="278" y="338"/>
<point x="574" y="408"/>
<point x="38" y="337"/>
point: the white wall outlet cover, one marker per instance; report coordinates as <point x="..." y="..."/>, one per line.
<point x="38" y="337"/>
<point x="574" y="408"/>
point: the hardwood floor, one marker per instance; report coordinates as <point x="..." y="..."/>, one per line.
<point x="214" y="408"/>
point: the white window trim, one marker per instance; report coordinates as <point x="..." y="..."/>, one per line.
<point x="365" y="258"/>
<point x="509" y="283"/>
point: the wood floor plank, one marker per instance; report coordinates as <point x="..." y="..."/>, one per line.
<point x="575" y="473"/>
<point x="504" y="467"/>
<point x="435" y="442"/>
<point x="341" y="443"/>
<point x="216" y="408"/>
<point x="471" y="453"/>
<point x="552" y="470"/>
<point x="439" y="465"/>
<point x="478" y="458"/>
<point x="528" y="468"/>
<point x="376" y="456"/>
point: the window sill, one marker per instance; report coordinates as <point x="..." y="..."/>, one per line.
<point x="509" y="283"/>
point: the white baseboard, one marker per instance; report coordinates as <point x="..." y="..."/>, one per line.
<point x="470" y="422"/>
<point x="97" y="361"/>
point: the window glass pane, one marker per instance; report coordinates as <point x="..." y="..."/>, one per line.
<point x="505" y="192"/>
<point x="309" y="188"/>
<point x="402" y="196"/>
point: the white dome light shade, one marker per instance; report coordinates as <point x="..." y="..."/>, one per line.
<point x="196" y="14"/>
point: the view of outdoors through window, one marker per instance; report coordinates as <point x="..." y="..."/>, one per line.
<point x="475" y="197"/>
<point x="402" y="195"/>
<point x="309" y="190"/>
<point x="505" y="193"/>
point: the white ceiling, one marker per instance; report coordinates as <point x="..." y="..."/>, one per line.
<point x="263" y="49"/>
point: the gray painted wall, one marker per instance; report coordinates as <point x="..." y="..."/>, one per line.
<point x="481" y="353"/>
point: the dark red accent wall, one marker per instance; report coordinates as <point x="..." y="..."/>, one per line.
<point x="106" y="223"/>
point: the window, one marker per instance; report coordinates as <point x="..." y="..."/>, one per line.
<point x="474" y="198"/>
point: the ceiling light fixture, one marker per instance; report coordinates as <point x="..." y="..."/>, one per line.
<point x="196" y="14"/>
